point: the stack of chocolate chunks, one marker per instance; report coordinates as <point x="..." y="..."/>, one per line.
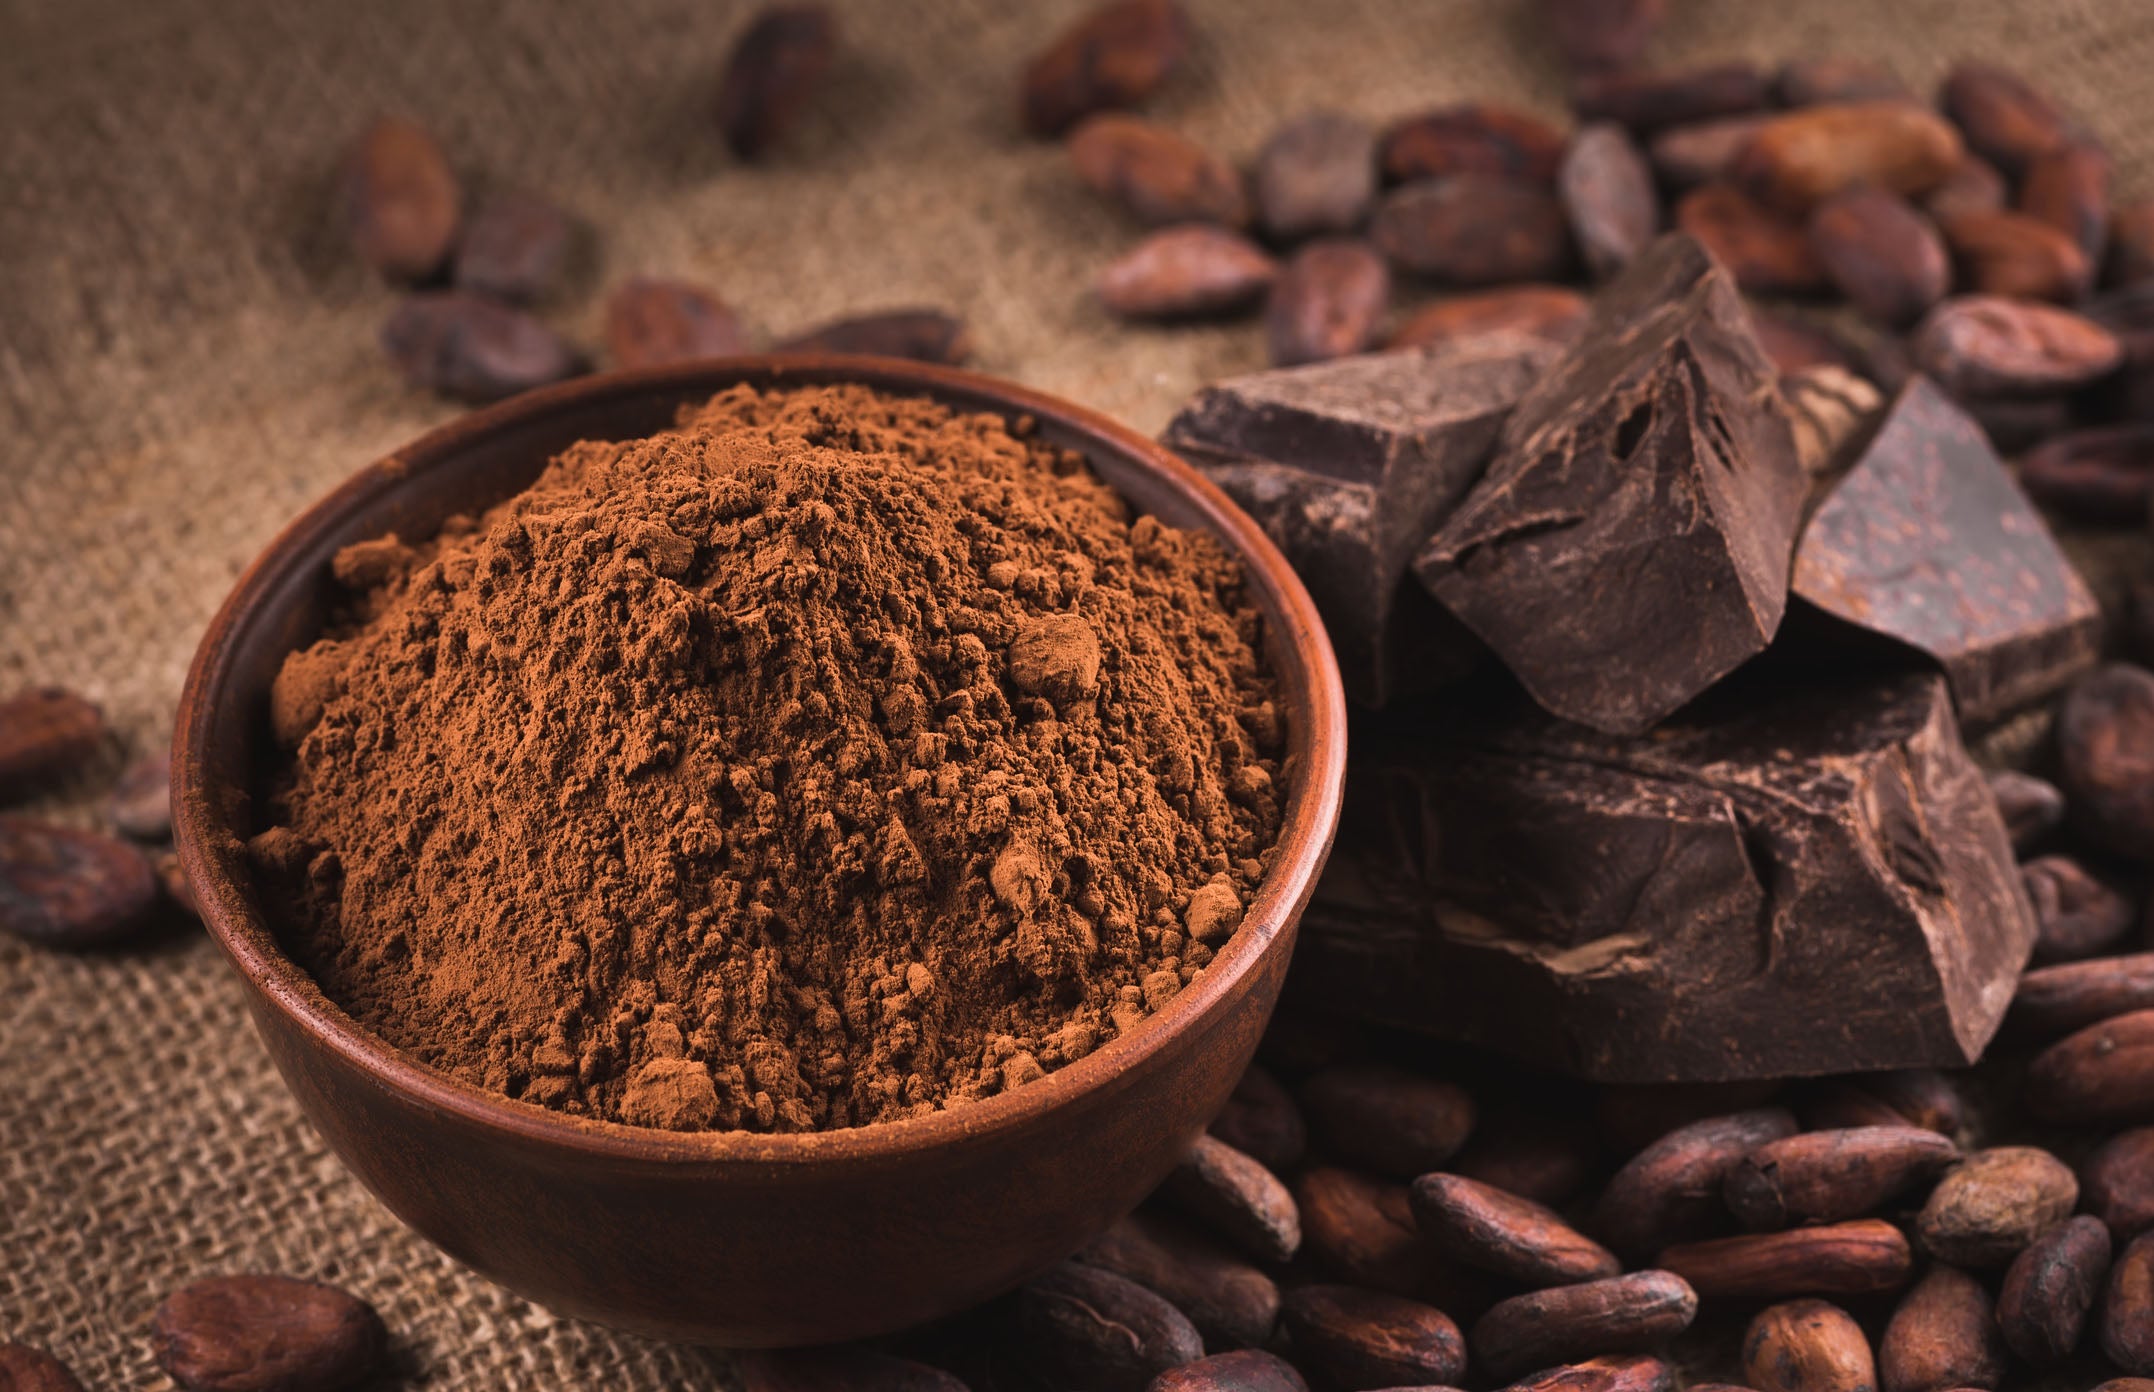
<point x="1661" y="666"/>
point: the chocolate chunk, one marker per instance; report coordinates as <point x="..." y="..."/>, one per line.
<point x="1629" y="545"/>
<point x="1348" y="465"/>
<point x="1929" y="542"/>
<point x="1680" y="906"/>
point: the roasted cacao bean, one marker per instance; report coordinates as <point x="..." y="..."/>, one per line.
<point x="1839" y="1259"/>
<point x="2058" y="1000"/>
<point x="775" y="67"/>
<point x="1159" y="176"/>
<point x="399" y="200"/>
<point x="1994" y="1203"/>
<point x="922" y="335"/>
<point x="1316" y="175"/>
<point x="140" y="804"/>
<point x="1244" y="1370"/>
<point x="1974" y="186"/>
<point x="1606" y="188"/>
<point x="1796" y="160"/>
<point x="1807" y="1346"/>
<point x="1671" y="1190"/>
<point x="2051" y="1289"/>
<point x="2031" y="807"/>
<point x="1596" y="35"/>
<point x="43" y="731"/>
<point x="1232" y="1304"/>
<point x="1686" y="156"/>
<point x="2105" y="1072"/>
<point x="27" y="1369"/>
<point x="1475" y="229"/>
<point x="845" y="1368"/>
<point x="1263" y="1120"/>
<point x="2006" y="120"/>
<point x="1100" y="1329"/>
<point x="2068" y="188"/>
<point x="1238" y="1198"/>
<point x="1647" y="101"/>
<point x="2128" y="1308"/>
<point x="1834" y="81"/>
<point x="1359" y="1338"/>
<point x="1187" y="272"/>
<point x="1329" y="302"/>
<point x="652" y="322"/>
<point x="2102" y="475"/>
<point x="1624" y="1373"/>
<point x="71" y="890"/>
<point x="1477" y="138"/>
<point x="1510" y="1236"/>
<point x="1113" y="57"/>
<point x="1827" y="1176"/>
<point x="1942" y="1336"/>
<point x="1619" y="1314"/>
<point x="514" y="247"/>
<point x="2105" y="749"/>
<point x="1981" y="345"/>
<point x="1883" y="255"/>
<point x="1396" y="1122"/>
<point x="2075" y="914"/>
<point x="2008" y="253"/>
<point x="473" y="349"/>
<point x="265" y="1334"/>
<point x="1551" y="312"/>
<point x="2117" y="1183"/>
<point x="1766" y="252"/>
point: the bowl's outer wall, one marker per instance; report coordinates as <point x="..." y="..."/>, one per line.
<point x="725" y="1251"/>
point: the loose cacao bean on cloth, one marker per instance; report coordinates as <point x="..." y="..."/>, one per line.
<point x="189" y="360"/>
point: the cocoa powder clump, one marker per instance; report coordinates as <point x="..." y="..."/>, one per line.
<point x="828" y="760"/>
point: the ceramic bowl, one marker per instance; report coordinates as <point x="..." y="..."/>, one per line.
<point x="733" y="1238"/>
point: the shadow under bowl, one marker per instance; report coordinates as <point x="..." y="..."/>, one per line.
<point x="733" y="1238"/>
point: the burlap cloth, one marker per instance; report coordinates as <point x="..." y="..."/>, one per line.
<point x="187" y="358"/>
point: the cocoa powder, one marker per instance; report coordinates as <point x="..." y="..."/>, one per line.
<point x="829" y="760"/>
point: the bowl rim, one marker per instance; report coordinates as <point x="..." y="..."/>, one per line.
<point x="209" y="847"/>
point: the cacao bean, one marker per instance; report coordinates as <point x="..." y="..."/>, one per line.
<point x="2006" y="120"/>
<point x="514" y="247"/>
<point x="1767" y="253"/>
<point x="1396" y="1122"/>
<point x="2053" y="1001"/>
<point x="1994" y="1203"/>
<point x="775" y="67"/>
<point x="27" y="1369"/>
<point x="1232" y="1304"/>
<point x="43" y="731"/>
<point x="1974" y="186"/>
<point x="140" y="804"/>
<point x="1833" y="81"/>
<point x="2128" y="1309"/>
<point x="1795" y="345"/>
<point x="1186" y="272"/>
<point x="1549" y="312"/>
<point x="2068" y="188"/>
<point x="1328" y="303"/>
<point x="844" y="1368"/>
<point x="1625" y="1373"/>
<point x="2105" y="747"/>
<point x="2075" y="914"/>
<point x="1617" y="1314"/>
<point x="2016" y="423"/>
<point x="1244" y="1370"/>
<point x="265" y="1334"/>
<point x="2007" y="253"/>
<point x="1530" y="1154"/>
<point x="2105" y="1072"/>
<point x="1262" y="1120"/>
<point x="1828" y="409"/>
<point x="1826" y="1176"/>
<point x="1671" y="1190"/>
<point x="2102" y="475"/>
<point x="1099" y="1329"/>
<point x="473" y="349"/>
<point x="1595" y="35"/>
<point x="2051" y="1289"/>
<point x="1606" y="188"/>
<point x="1686" y="156"/>
<point x="1807" y="1346"/>
<point x="1977" y="345"/>
<point x="1360" y="1229"/>
<point x="1240" y="1199"/>
<point x="1316" y="174"/>
<point x="921" y="335"/>
<point x="1476" y="138"/>
<point x="2131" y="244"/>
<point x="1510" y="1236"/>
<point x="1647" y="101"/>
<point x="2126" y="1384"/>
<point x="1475" y="229"/>
<point x="71" y="890"/>
<point x="1113" y="57"/>
<point x="1157" y="175"/>
<point x="1885" y="257"/>
<point x="1920" y="1097"/>
<point x="1357" y="1338"/>
<point x="2031" y="807"/>
<point x="653" y="322"/>
<point x="1632" y="1116"/>
<point x="399" y="200"/>
<point x="1805" y="156"/>
<point x="1838" y="1259"/>
<point x="2117" y="1183"/>
<point x="1942" y="1336"/>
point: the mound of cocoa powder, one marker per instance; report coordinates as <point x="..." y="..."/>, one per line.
<point x="828" y="760"/>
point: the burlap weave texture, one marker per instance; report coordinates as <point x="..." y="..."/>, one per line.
<point x="187" y="358"/>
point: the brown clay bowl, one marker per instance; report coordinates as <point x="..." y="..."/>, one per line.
<point x="733" y="1238"/>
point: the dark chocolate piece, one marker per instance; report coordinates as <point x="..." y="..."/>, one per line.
<point x="1629" y="545"/>
<point x="1802" y="874"/>
<point x="1348" y="465"/>
<point x="1928" y="541"/>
